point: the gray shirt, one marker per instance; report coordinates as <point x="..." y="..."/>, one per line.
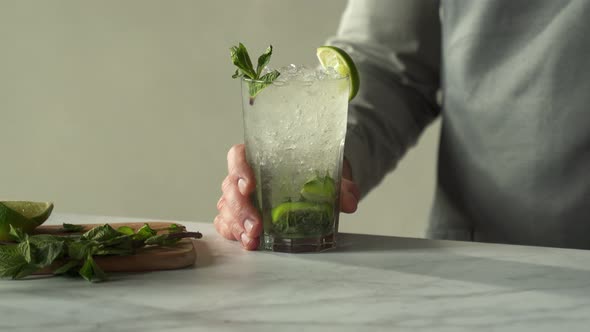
<point x="511" y="81"/>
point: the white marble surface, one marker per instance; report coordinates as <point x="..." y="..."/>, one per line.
<point x="370" y="283"/>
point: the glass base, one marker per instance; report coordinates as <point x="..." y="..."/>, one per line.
<point x="269" y="242"/>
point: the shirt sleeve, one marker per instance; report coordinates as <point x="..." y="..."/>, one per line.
<point x="396" y="48"/>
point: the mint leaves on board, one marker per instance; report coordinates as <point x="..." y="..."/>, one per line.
<point x="256" y="82"/>
<point x="75" y="253"/>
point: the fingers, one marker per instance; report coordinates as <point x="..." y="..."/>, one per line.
<point x="239" y="170"/>
<point x="238" y="219"/>
<point x="349" y="196"/>
<point x="231" y="229"/>
<point x="240" y="234"/>
<point x="236" y="207"/>
<point x="346" y="170"/>
<point x="349" y="191"/>
<point x="223" y="228"/>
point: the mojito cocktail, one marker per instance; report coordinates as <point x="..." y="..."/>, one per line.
<point x="294" y="129"/>
<point x="294" y="135"/>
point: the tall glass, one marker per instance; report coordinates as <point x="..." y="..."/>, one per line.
<point x="294" y="133"/>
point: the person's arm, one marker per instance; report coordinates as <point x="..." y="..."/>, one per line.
<point x="396" y="47"/>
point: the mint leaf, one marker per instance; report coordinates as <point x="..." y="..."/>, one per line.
<point x="25" y="250"/>
<point x="68" y="267"/>
<point x="270" y="77"/>
<point x="174" y="228"/>
<point x="263" y="60"/>
<point x="71" y="228"/>
<point x="86" y="269"/>
<point x="11" y="261"/>
<point x="91" y="271"/>
<point x="162" y="240"/>
<point x="18" y="234"/>
<point x="29" y="255"/>
<point x="98" y="272"/>
<point x="126" y="230"/>
<point x="46" y="249"/>
<point x="101" y="233"/>
<point x="241" y="59"/>
<point x="145" y="232"/>
<point x="255" y="87"/>
<point x="79" y="250"/>
<point x="26" y="270"/>
<point x="120" y="241"/>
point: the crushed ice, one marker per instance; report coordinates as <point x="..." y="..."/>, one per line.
<point x="303" y="73"/>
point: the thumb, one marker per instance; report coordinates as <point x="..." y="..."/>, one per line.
<point x="349" y="196"/>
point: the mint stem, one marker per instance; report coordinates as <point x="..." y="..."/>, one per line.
<point x="194" y="235"/>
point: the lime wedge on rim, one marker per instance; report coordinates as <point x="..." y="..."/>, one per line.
<point x="334" y="57"/>
<point x="23" y="215"/>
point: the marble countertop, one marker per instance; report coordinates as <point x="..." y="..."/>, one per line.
<point x="370" y="283"/>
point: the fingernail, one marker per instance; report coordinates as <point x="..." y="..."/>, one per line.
<point x="220" y="203"/>
<point x="245" y="239"/>
<point x="242" y="186"/>
<point x="248" y="224"/>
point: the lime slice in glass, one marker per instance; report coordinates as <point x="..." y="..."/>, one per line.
<point x="320" y="189"/>
<point x="284" y="211"/>
<point x="23" y="215"/>
<point x="334" y="57"/>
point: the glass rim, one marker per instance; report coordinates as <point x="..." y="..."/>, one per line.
<point x="247" y="79"/>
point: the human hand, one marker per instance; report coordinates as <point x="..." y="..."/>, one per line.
<point x="238" y="219"/>
<point x="349" y="191"/>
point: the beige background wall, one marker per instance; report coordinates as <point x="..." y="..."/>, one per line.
<point x="126" y="107"/>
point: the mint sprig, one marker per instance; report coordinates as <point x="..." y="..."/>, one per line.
<point x="75" y="254"/>
<point x="256" y="82"/>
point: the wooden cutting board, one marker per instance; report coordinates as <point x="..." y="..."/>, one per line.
<point x="182" y="255"/>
